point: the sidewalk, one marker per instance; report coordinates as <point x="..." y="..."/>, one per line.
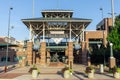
<point x="49" y="74"/>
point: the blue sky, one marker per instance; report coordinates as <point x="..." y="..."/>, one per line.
<point x="22" y="9"/>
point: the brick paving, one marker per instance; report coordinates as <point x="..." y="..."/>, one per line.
<point x="10" y="75"/>
<point x="50" y="73"/>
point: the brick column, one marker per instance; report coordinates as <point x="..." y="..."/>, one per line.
<point x="29" y="52"/>
<point x="48" y="57"/>
<point x="43" y="53"/>
<point x="66" y="54"/>
<point x="112" y="62"/>
<point x="70" y="54"/>
<point x="84" y="53"/>
<point x="37" y="58"/>
<point x="89" y="61"/>
<point x="105" y="38"/>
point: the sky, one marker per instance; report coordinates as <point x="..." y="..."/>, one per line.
<point x="22" y="9"/>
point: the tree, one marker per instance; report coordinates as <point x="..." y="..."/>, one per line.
<point x="114" y="35"/>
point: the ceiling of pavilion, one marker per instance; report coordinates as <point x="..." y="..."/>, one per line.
<point x="57" y="24"/>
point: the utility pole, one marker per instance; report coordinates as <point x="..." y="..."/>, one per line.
<point x="33" y="8"/>
<point x="112" y="11"/>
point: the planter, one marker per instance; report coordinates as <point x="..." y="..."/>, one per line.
<point x="116" y="75"/>
<point x="91" y="75"/>
<point x="101" y="68"/>
<point x="71" y="73"/>
<point x="34" y="73"/>
<point x="66" y="74"/>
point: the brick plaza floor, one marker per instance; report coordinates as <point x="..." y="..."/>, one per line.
<point x="50" y="73"/>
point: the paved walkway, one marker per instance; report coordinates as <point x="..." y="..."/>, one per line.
<point x="50" y="74"/>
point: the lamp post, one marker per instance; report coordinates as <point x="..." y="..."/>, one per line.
<point x="101" y="65"/>
<point x="8" y="38"/>
<point x="111" y="51"/>
<point x="101" y="12"/>
<point x="89" y="58"/>
<point x="112" y="59"/>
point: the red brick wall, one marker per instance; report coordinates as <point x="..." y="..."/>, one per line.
<point x="43" y="53"/>
<point x="11" y="54"/>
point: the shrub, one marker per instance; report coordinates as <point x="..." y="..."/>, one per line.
<point x="67" y="68"/>
<point x="89" y="69"/>
<point x="34" y="68"/>
<point x="116" y="69"/>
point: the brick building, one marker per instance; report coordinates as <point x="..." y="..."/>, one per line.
<point x="14" y="49"/>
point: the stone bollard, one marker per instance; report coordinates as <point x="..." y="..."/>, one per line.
<point x="101" y="68"/>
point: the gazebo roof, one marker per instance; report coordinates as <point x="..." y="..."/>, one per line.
<point x="56" y="19"/>
<point x="57" y="10"/>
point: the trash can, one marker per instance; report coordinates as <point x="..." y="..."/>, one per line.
<point x="101" y="68"/>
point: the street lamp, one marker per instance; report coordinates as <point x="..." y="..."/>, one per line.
<point x="112" y="59"/>
<point x="111" y="51"/>
<point x="8" y="38"/>
<point x="99" y="46"/>
<point x="101" y="12"/>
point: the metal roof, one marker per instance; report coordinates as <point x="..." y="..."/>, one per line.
<point x="56" y="19"/>
<point x="56" y="10"/>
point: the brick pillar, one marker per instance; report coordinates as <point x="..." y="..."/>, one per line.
<point x="89" y="61"/>
<point x="112" y="62"/>
<point x="37" y="58"/>
<point x="48" y="57"/>
<point x="66" y="54"/>
<point x="43" y="53"/>
<point x="29" y="52"/>
<point x="84" y="53"/>
<point x="70" y="54"/>
<point x="105" y="38"/>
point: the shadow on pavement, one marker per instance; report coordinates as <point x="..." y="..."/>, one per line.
<point x="76" y="73"/>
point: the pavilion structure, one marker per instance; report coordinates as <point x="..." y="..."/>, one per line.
<point x="56" y="33"/>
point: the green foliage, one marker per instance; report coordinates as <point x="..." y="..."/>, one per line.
<point x="114" y="35"/>
<point x="114" y="70"/>
<point x="118" y="69"/>
<point x="100" y="55"/>
<point x="110" y="71"/>
<point x="89" y="69"/>
<point x="70" y="70"/>
<point x="67" y="68"/>
<point x="34" y="67"/>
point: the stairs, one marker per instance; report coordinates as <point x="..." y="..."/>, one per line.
<point x="52" y="68"/>
<point x="56" y="64"/>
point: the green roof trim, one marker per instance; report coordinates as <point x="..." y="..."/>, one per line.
<point x="3" y="45"/>
<point x="57" y="47"/>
